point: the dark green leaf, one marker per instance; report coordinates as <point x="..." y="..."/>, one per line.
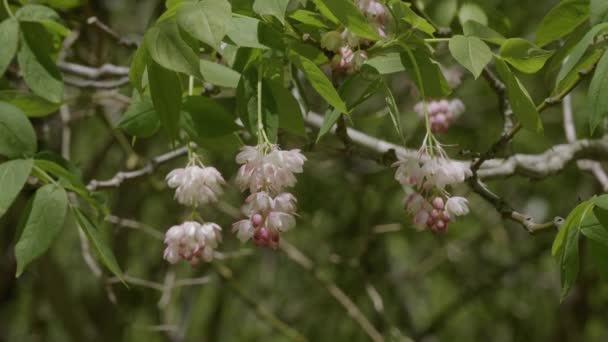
<point x="43" y="15"/>
<point x="574" y="220"/>
<point x="598" y="91"/>
<point x="210" y="120"/>
<point x="219" y="75"/>
<point x="579" y="50"/>
<point x="523" y="55"/>
<point x="275" y="8"/>
<point x="17" y="136"/>
<point x="350" y="16"/>
<point x="288" y="109"/>
<point x="593" y="226"/>
<point x="244" y="32"/>
<point x="584" y="64"/>
<point x="206" y="20"/>
<point x="308" y="18"/>
<point x="166" y="94"/>
<point x="104" y="252"/>
<point x="426" y="73"/>
<point x="521" y="103"/>
<point x="599" y="256"/>
<point x="13" y="175"/>
<point x="330" y="118"/>
<point x="416" y="22"/>
<point x="168" y="49"/>
<point x="43" y="225"/>
<point x="471" y="52"/>
<point x="9" y="37"/>
<point x="388" y="63"/>
<point x="32" y="105"/>
<point x="598" y="11"/>
<point x="309" y="51"/>
<point x="39" y="71"/>
<point x="561" y="20"/>
<point x="319" y="81"/>
<point x="140" y="119"/>
<point x="138" y="67"/>
<point x="569" y="263"/>
<point x="475" y="29"/>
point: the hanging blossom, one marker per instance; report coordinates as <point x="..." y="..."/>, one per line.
<point x="265" y="171"/>
<point x="194" y="185"/>
<point x="442" y="113"/>
<point x="376" y="14"/>
<point x="192" y="241"/>
<point x="427" y="178"/>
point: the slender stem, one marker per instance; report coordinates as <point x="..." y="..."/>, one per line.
<point x="190" y="85"/>
<point x="8" y="9"/>
<point x="437" y="40"/>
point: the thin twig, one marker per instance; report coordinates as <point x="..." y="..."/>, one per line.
<point x="107" y="30"/>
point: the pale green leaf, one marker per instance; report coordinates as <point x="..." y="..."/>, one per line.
<point x="275" y="8"/>
<point x="579" y="50"/>
<point x="470" y="11"/>
<point x="219" y="75"/>
<point x="471" y="52"/>
<point x="598" y="11"/>
<point x="350" y="16"/>
<point x="9" y="37"/>
<point x="168" y="49"/>
<point x="17" y="136"/>
<point x="523" y="55"/>
<point x="561" y="20"/>
<point x="206" y="20"/>
<point x="475" y="29"/>
<point x="32" y="105"/>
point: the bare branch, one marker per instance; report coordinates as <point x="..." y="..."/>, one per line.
<point x="107" y="30"/>
<point x="106" y="84"/>
<point x="85" y="71"/>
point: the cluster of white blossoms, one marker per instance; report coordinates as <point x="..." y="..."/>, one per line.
<point x="429" y="203"/>
<point x="194" y="185"/>
<point x="376" y="14"/>
<point x="265" y="171"/>
<point x="442" y="113"/>
<point x="192" y="241"/>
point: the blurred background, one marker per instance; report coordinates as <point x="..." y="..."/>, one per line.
<point x="353" y="258"/>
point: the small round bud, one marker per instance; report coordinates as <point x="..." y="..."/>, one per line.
<point x="332" y="41"/>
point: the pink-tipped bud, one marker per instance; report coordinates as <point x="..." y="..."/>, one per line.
<point x="421" y="218"/>
<point x="435" y="214"/>
<point x="438" y="203"/>
<point x="256" y="220"/>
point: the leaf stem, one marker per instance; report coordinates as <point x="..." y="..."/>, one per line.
<point x="8" y="9"/>
<point x="437" y="40"/>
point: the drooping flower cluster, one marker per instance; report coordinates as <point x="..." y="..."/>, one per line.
<point x="194" y="185"/>
<point x="429" y="203"/>
<point x="376" y="14"/>
<point x="192" y="241"/>
<point x="442" y="113"/>
<point x="265" y="171"/>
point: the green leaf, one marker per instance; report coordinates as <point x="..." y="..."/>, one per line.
<point x="39" y="71"/>
<point x="470" y="11"/>
<point x="585" y="63"/>
<point x="9" y="37"/>
<point x="569" y="263"/>
<point x="523" y="55"/>
<point x="205" y="20"/>
<point x="43" y="225"/>
<point x="309" y="51"/>
<point x="579" y="50"/>
<point x="561" y="20"/>
<point x="387" y="63"/>
<point x="598" y="11"/>
<point x="32" y="105"/>
<point x="44" y="15"/>
<point x="393" y="110"/>
<point x="288" y="109"/>
<point x="350" y="16"/>
<point x="521" y="103"/>
<point x="319" y="81"/>
<point x="17" y="136"/>
<point x="244" y="32"/>
<point x="275" y="8"/>
<point x="593" y="226"/>
<point x="166" y="94"/>
<point x="140" y="119"/>
<point x="13" y="175"/>
<point x="219" y="75"/>
<point x="330" y="118"/>
<point x="598" y="91"/>
<point x="444" y="12"/>
<point x="475" y="29"/>
<point x="210" y="120"/>
<point x="575" y="219"/>
<point x="426" y="73"/>
<point x="169" y="50"/>
<point x="308" y="18"/>
<point x="138" y="67"/>
<point x="101" y="247"/>
<point x="471" y="52"/>
<point x="417" y="22"/>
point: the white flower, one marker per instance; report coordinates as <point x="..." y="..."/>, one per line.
<point x="280" y="222"/>
<point x="285" y="202"/>
<point x="192" y="241"/>
<point x="244" y="229"/>
<point x="271" y="171"/>
<point x="258" y="202"/>
<point x="196" y="185"/>
<point x="409" y="172"/>
<point x="457" y="206"/>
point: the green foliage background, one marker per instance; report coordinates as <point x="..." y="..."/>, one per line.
<point x="486" y="279"/>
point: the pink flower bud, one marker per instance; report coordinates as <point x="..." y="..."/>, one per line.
<point x="438" y="203"/>
<point x="256" y="220"/>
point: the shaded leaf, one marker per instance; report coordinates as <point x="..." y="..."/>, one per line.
<point x="32" y="105"/>
<point x="598" y="11"/>
<point x="308" y="18"/>
<point x="42" y="226"/>
<point x="275" y="8"/>
<point x="523" y="55"/>
<point x="138" y="67"/>
<point x="9" y="37"/>
<point x="244" y="32"/>
<point x="330" y="118"/>
<point x="350" y="16"/>
<point x="169" y="50"/>
<point x="219" y="75"/>
<point x="13" y="175"/>
<point x="17" y="136"/>
<point x="205" y="20"/>
<point x="166" y="94"/>
<point x="579" y="50"/>
<point x="210" y="120"/>
<point x="475" y="29"/>
<point x="140" y="119"/>
<point x="561" y="20"/>
<point x="387" y="63"/>
<point x="470" y="11"/>
<point x="598" y="91"/>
